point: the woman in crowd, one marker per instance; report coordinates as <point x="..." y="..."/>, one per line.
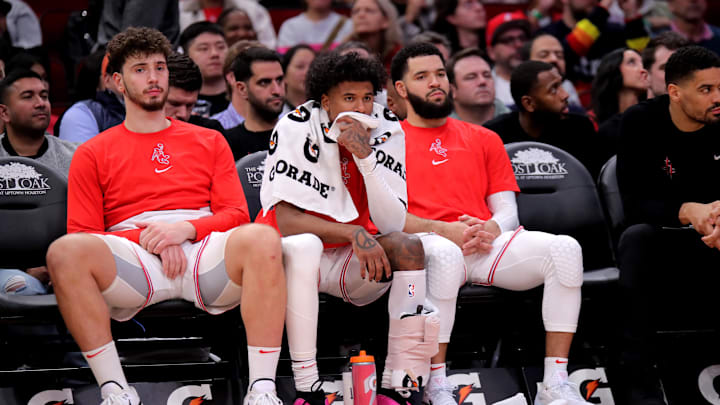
<point x="621" y="82"/>
<point x="462" y="22"/>
<point x="375" y="23"/>
<point x="237" y="25"/>
<point x="296" y="63"/>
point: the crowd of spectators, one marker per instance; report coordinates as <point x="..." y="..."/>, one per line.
<point x="559" y="72"/>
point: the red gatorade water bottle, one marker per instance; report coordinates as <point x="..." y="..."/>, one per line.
<point x="364" y="379"/>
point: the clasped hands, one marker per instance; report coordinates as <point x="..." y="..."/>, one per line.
<point x="164" y="240"/>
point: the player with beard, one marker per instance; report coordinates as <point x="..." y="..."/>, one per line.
<point x="461" y="186"/>
<point x="155" y="212"/>
<point x="587" y="36"/>
<point x="260" y="81"/>
<point x="543" y="116"/>
<point x="668" y="159"/>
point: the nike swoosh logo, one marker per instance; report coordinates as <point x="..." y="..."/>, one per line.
<point x="438" y="162"/>
<point x="163" y="170"/>
<point x="717" y="157"/>
<point x="560" y="362"/>
<point x="90" y="356"/>
<point x="436" y="368"/>
<point x="265" y="351"/>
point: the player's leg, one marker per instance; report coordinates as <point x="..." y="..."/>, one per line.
<point x="301" y="255"/>
<point x="445" y="267"/>
<point x="524" y="260"/>
<point x="414" y="326"/>
<point x="82" y="267"/>
<point x="253" y="261"/>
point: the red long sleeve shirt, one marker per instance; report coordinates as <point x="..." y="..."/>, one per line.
<point x="119" y="174"/>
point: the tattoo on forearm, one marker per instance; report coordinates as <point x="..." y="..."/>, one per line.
<point x="364" y="240"/>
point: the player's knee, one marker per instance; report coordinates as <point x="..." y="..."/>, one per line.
<point x="566" y="255"/>
<point x="301" y="255"/>
<point x="445" y="266"/>
<point x="66" y="255"/>
<point x="256" y="241"/>
<point x="405" y="251"/>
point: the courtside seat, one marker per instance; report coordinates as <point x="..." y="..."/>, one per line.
<point x="558" y="195"/>
<point x="250" y="169"/>
<point x="612" y="202"/>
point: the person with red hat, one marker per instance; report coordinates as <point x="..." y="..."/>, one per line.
<point x="505" y="36"/>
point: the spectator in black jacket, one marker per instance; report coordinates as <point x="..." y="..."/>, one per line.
<point x="667" y="167"/>
<point x="543" y="116"/>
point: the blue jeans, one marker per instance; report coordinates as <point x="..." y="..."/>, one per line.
<point x="13" y="281"/>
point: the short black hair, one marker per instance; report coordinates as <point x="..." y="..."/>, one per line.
<point x="11" y="78"/>
<point x="668" y="39"/>
<point x="290" y="54"/>
<point x="524" y="51"/>
<point x="524" y="78"/>
<point x="23" y="61"/>
<point x="686" y="61"/>
<point x="458" y="56"/>
<point x="183" y="73"/>
<point x="399" y="64"/>
<point x="330" y="69"/>
<point x="242" y="64"/>
<point x="196" y="29"/>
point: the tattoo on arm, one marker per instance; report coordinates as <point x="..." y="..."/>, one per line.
<point x="364" y="240"/>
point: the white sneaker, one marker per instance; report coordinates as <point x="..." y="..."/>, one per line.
<point x="128" y="396"/>
<point x="262" y="398"/>
<point x="563" y="393"/>
<point x="439" y="391"/>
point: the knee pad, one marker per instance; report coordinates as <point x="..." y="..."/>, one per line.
<point x="412" y="341"/>
<point x="445" y="267"/>
<point x="301" y="253"/>
<point x="566" y="255"/>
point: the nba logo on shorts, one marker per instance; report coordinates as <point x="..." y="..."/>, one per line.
<point x="411" y="290"/>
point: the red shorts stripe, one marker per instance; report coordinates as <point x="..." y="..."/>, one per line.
<point x="196" y="274"/>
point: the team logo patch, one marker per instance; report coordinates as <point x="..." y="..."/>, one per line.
<point x="300" y="114"/>
<point x="20" y="179"/>
<point x="668" y="167"/>
<point x="161" y="157"/>
<point x="438" y="148"/>
<point x="537" y="164"/>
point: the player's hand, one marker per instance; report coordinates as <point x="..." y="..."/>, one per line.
<point x="354" y="137"/>
<point x="454" y="231"/>
<point x="40" y="273"/>
<point x="156" y="236"/>
<point x="371" y="255"/>
<point x="701" y="216"/>
<point x="174" y="261"/>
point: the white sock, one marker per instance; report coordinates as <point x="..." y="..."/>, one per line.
<point x="386" y="379"/>
<point x="262" y="365"/>
<point x="555" y="371"/>
<point x="438" y="369"/>
<point x="105" y="365"/>
<point x="407" y="292"/>
<point x="305" y="372"/>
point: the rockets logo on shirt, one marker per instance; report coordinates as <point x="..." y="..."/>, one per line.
<point x="438" y="148"/>
<point x="161" y="157"/>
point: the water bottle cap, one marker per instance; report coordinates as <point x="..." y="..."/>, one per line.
<point x="362" y="358"/>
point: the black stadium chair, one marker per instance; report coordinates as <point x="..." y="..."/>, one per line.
<point x="33" y="206"/>
<point x="610" y="194"/>
<point x="250" y="169"/>
<point x="559" y="196"/>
